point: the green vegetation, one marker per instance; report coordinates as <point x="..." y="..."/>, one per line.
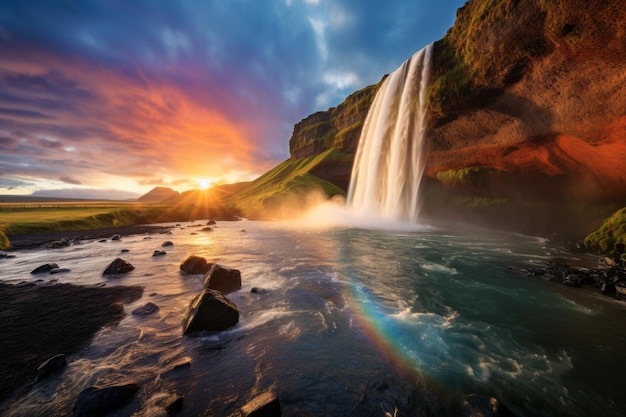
<point x="287" y="187"/>
<point x="48" y="218"/>
<point x="470" y="179"/>
<point x="612" y="231"/>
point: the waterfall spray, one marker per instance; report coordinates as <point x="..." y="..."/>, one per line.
<point x="388" y="165"/>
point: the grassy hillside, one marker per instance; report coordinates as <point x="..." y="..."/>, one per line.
<point x="287" y="188"/>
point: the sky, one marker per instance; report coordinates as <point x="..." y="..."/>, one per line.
<point x="98" y="96"/>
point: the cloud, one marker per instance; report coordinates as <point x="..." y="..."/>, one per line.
<point x="158" y="89"/>
<point x="69" y="180"/>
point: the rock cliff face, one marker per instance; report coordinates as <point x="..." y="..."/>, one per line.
<point x="536" y="92"/>
<point x="527" y="106"/>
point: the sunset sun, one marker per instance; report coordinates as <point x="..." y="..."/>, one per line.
<point x="204" y="183"/>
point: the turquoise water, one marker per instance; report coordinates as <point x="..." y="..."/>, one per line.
<point x="354" y="322"/>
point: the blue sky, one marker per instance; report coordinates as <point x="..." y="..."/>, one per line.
<point x="131" y="94"/>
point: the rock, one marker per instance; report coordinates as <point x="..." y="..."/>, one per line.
<point x="52" y="365"/>
<point x="116" y="237"/>
<point x="264" y="405"/>
<point x="159" y="253"/>
<point x="181" y="364"/>
<point x="610" y="261"/>
<point x="257" y="290"/>
<point x="573" y="280"/>
<point x="59" y="271"/>
<point x="476" y="405"/>
<point x="4" y="255"/>
<point x="147" y="238"/>
<point x="210" y="311"/>
<point x="102" y="240"/>
<point x="174" y="404"/>
<point x="97" y="402"/>
<point x="118" y="266"/>
<point x="125" y="251"/>
<point x="145" y="310"/>
<point x="211" y="223"/>
<point x="608" y="287"/>
<point x="44" y="268"/>
<point x="61" y="243"/>
<point x="206" y="229"/>
<point x="167" y="243"/>
<point x="195" y="265"/>
<point x="222" y="279"/>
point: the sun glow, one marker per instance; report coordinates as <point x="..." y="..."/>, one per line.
<point x="204" y="183"/>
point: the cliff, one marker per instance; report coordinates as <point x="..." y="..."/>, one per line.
<point x="527" y="121"/>
<point x="336" y="128"/>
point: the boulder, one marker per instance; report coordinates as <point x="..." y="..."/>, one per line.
<point x="222" y="279"/>
<point x="61" y="243"/>
<point x="211" y="223"/>
<point x="195" y="265"/>
<point x="608" y="287"/>
<point x="167" y="243"/>
<point x="476" y="405"/>
<point x="59" y="271"/>
<point x="264" y="405"/>
<point x="97" y="402"/>
<point x="145" y="310"/>
<point x="116" y="237"/>
<point x="210" y="311"/>
<point x="173" y="405"/>
<point x="573" y="280"/>
<point x="44" y="268"/>
<point x="52" y="365"/>
<point x="206" y="229"/>
<point x="159" y="253"/>
<point x="118" y="266"/>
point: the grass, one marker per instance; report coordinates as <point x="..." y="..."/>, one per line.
<point x="49" y="218"/>
<point x="612" y="232"/>
<point x="287" y="187"/>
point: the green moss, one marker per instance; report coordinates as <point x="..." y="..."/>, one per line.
<point x="470" y="177"/>
<point x="612" y="231"/>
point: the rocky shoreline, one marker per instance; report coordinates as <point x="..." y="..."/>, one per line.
<point x="36" y="240"/>
<point x="39" y="322"/>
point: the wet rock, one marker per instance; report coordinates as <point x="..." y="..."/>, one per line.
<point x="44" y="268"/>
<point x="573" y="280"/>
<point x="222" y="279"/>
<point x="145" y="310"/>
<point x="608" y="288"/>
<point x="118" y="266"/>
<point x="147" y="238"/>
<point x="59" y="271"/>
<point x="476" y="405"/>
<point x="195" y="265"/>
<point x="210" y="311"/>
<point x="102" y="240"/>
<point x="97" y="402"/>
<point x="174" y="405"/>
<point x="211" y="223"/>
<point x="125" y="251"/>
<point x="167" y="243"/>
<point x="611" y="261"/>
<point x="116" y="237"/>
<point x="52" y="365"/>
<point x="176" y="367"/>
<point x="5" y="255"/>
<point x="206" y="229"/>
<point x="257" y="290"/>
<point x="159" y="253"/>
<point x="61" y="243"/>
<point x="264" y="405"/>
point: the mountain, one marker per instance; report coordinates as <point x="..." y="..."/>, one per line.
<point x="158" y="195"/>
<point x="527" y="122"/>
<point x="86" y="194"/>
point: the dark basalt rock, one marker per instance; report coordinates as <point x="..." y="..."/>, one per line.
<point x="264" y="405"/>
<point x="222" y="279"/>
<point x="145" y="310"/>
<point x="210" y="311"/>
<point x="61" y="243"/>
<point x="52" y="365"/>
<point x="159" y="253"/>
<point x="97" y="402"/>
<point x="44" y="268"/>
<point x="118" y="266"/>
<point x="116" y="237"/>
<point x="166" y="244"/>
<point x="211" y="223"/>
<point x="476" y="405"/>
<point x="195" y="265"/>
<point x="59" y="271"/>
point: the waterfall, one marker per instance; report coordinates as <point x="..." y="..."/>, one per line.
<point x="388" y="163"/>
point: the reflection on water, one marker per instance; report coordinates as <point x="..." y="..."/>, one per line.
<point x="354" y="322"/>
